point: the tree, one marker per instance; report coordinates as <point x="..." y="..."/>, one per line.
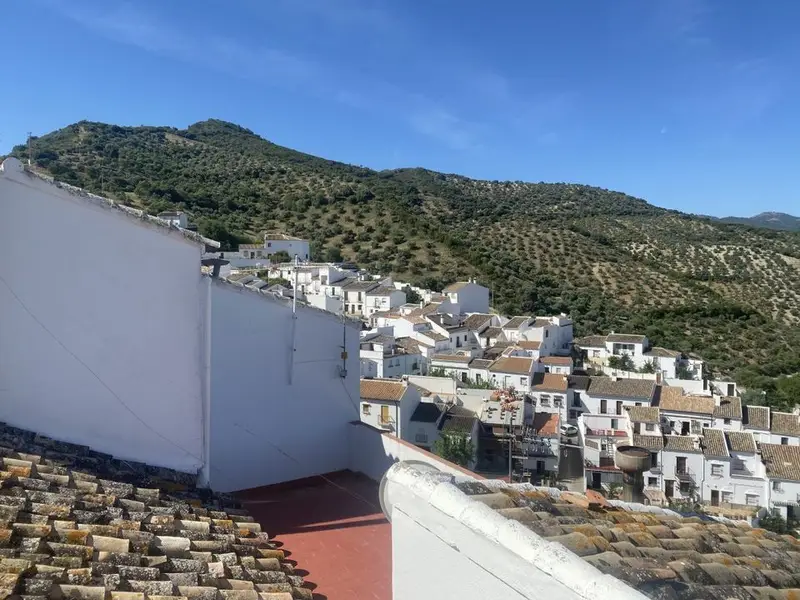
<point x="455" y="447"/>
<point x="412" y="296"/>
<point x="621" y="363"/>
<point x="281" y="256"/>
<point x="649" y="366"/>
<point x="776" y="523"/>
<point x="333" y="255"/>
<point x="787" y="391"/>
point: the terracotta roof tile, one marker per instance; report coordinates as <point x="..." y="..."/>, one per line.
<point x="782" y="462"/>
<point x="785" y="424"/>
<point x="626" y="338"/>
<point x="680" y="443"/>
<point x="382" y="389"/>
<point x="477" y="320"/>
<point x="741" y="441"/>
<point x="651" y="442"/>
<point x="519" y="365"/>
<point x="643" y="414"/>
<point x="516" y="322"/>
<point x="492" y="332"/>
<point x="546" y="423"/>
<point x="756" y="417"/>
<point x="591" y="341"/>
<point x="455" y="287"/>
<point x="623" y="388"/>
<point x="559" y="361"/>
<point x="408" y="344"/>
<point x="452" y="358"/>
<point x="730" y="407"/>
<point x="662" y="352"/>
<point x="480" y="363"/>
<point x="702" y="405"/>
<point x="529" y="345"/>
<point x="713" y="443"/>
<point x="551" y="382"/>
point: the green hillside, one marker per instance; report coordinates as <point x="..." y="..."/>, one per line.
<point x="727" y="292"/>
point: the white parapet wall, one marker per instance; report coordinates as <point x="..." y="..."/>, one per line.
<point x="102" y="323"/>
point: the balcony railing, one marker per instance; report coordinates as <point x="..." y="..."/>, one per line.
<point x="386" y="421"/>
<point x="685" y="475"/>
<point x="607" y="432"/>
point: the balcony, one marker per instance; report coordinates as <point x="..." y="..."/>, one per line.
<point x="607" y="432"/>
<point x="656" y="469"/>
<point x="685" y="475"/>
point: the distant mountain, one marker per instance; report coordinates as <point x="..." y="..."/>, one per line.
<point x="613" y="262"/>
<point x="770" y="220"/>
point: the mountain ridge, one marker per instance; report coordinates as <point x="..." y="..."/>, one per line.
<point x="728" y="292"/>
<point x="769" y="220"/>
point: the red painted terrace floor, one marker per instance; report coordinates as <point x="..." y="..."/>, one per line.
<point x="333" y="528"/>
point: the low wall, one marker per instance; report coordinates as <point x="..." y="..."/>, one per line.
<point x="373" y="451"/>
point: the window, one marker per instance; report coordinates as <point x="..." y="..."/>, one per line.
<point x="638" y="404"/>
<point x="576" y="401"/>
<point x="649" y="427"/>
<point x="478" y="378"/>
<point x="523" y="380"/>
<point x="544" y="400"/>
<point x="652" y="481"/>
<point x="716" y="470"/>
<point x="269" y="244"/>
<point x="727" y="497"/>
<point x="619" y="407"/>
<point x="557" y="400"/>
<point x="603" y="406"/>
<point x="365" y="409"/>
<point x="776" y="486"/>
<point x="384" y="414"/>
<point x="751" y="499"/>
<point x="726" y="421"/>
<point x="784" y="441"/>
<point x="421" y="438"/>
<point x="573" y="414"/>
<point x="546" y="333"/>
<point x="614" y="423"/>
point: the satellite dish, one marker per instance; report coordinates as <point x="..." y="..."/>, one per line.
<point x="418" y="465"/>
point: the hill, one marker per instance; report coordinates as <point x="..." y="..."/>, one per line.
<point x="770" y="220"/>
<point x="727" y="292"/>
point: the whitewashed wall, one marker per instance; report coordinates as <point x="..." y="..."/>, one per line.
<point x="264" y="430"/>
<point x="120" y="310"/>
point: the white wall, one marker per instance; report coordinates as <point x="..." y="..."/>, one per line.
<point x="257" y="417"/>
<point x="115" y="359"/>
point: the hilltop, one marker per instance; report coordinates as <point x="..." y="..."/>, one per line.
<point x="770" y="220"/>
<point x="727" y="292"/>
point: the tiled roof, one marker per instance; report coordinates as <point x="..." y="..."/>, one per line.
<point x="785" y="424"/>
<point x="427" y="412"/>
<point x="434" y="335"/>
<point x="559" y="361"/>
<point x="591" y="341"/>
<point x="651" y="442"/>
<point x="730" y="407"/>
<point x="680" y="443"/>
<point x="540" y="322"/>
<point x="623" y="388"/>
<point x="381" y="290"/>
<point x="702" y="405"/>
<point x="454" y="358"/>
<point x="662" y="352"/>
<point x="643" y="414"/>
<point x="408" y="344"/>
<point x="382" y="389"/>
<point x="552" y="382"/>
<point x="512" y="364"/>
<point x="491" y="332"/>
<point x="546" y="423"/>
<point x="626" y="338"/>
<point x="713" y="443"/>
<point x="480" y="363"/>
<point x="656" y="551"/>
<point x="528" y="345"/>
<point x="453" y="423"/>
<point x="578" y="382"/>
<point x="251" y="246"/>
<point x="455" y="287"/>
<point x="741" y="441"/>
<point x="81" y="524"/>
<point x="782" y="462"/>
<point x="359" y="286"/>
<point x="516" y="322"/>
<point x="476" y="321"/>
<point x="756" y="417"/>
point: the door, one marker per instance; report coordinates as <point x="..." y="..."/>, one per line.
<point x="669" y="488"/>
<point x="384" y="415"/>
<point x="619" y="407"/>
<point x="539" y="467"/>
<point x="637" y="428"/>
<point x="684" y="428"/>
<point x="597" y="479"/>
<point x="714" y="497"/>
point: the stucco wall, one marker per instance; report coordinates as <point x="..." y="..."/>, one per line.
<point x="103" y="343"/>
<point x="264" y="430"/>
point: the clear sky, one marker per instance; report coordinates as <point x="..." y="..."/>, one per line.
<point x="690" y="104"/>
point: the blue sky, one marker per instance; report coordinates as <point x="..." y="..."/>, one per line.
<point x="690" y="104"/>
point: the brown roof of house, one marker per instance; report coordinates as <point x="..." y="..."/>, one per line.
<point x="559" y="361"/>
<point x="434" y="335"/>
<point x="626" y="338"/>
<point x="387" y="390"/>
<point x="477" y="320"/>
<point x="546" y="423"/>
<point x="651" y="442"/>
<point x="408" y="344"/>
<point x="643" y="414"/>
<point x="516" y="322"/>
<point x="680" y="443"/>
<point x="552" y="382"/>
<point x="480" y="363"/>
<point x="512" y="364"/>
<point x="782" y="462"/>
<point x="713" y="443"/>
<point x="756" y="417"/>
<point x="701" y="405"/>
<point x="491" y="332"/>
<point x="662" y="352"/>
<point x="529" y="345"/>
<point x="456" y="286"/>
<point x="591" y="341"/>
<point x="454" y="358"/>
<point x="661" y="554"/>
<point x="623" y="388"/>
<point x="785" y="424"/>
<point x="741" y="441"/>
<point x="541" y="322"/>
<point x="730" y="407"/>
<point x="82" y="524"/>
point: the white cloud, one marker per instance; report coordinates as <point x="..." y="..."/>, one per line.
<point x="445" y="127"/>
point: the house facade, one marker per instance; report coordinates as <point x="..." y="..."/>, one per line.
<point x="469" y="296"/>
<point x="388" y="404"/>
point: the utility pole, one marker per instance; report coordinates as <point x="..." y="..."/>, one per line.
<point x="30" y="148"/>
<point x="510" y="446"/>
